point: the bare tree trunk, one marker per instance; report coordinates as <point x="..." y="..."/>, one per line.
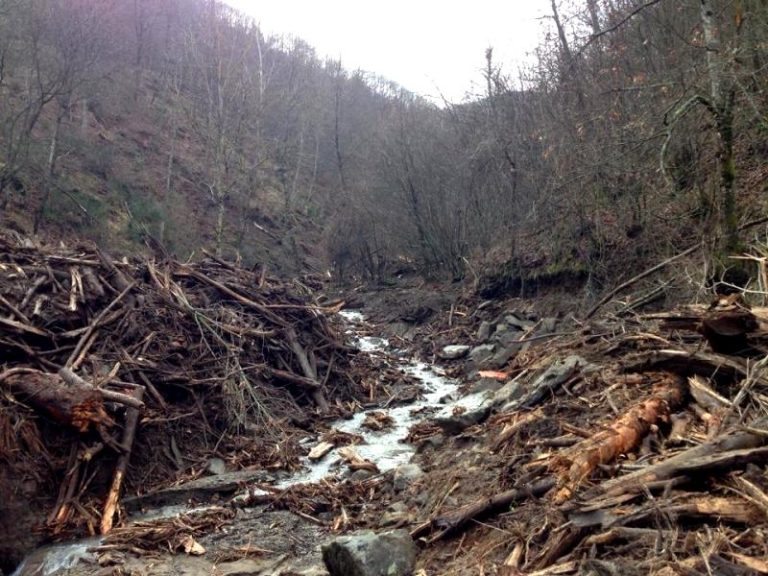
<point x="220" y="226"/>
<point x="337" y="133"/>
<point x="723" y="101"/>
<point x="50" y="168"/>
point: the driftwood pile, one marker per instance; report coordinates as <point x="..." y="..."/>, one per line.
<point x="105" y="347"/>
<point x="649" y="459"/>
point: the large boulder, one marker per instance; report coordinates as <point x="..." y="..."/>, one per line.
<point x="369" y="554"/>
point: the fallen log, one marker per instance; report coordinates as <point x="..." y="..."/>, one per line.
<point x="724" y="452"/>
<point x="129" y="433"/>
<point x="452" y="522"/>
<point x="691" y="363"/>
<point x="79" y="406"/>
<point x="575" y="464"/>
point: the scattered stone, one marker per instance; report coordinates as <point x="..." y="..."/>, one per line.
<point x="397" y="513"/>
<point x="216" y="466"/>
<point x="507" y="337"/>
<point x="369" y="554"/>
<point x="502" y="357"/>
<point x="548" y="325"/>
<point x="484" y="331"/>
<point x="480" y="353"/>
<point x="405" y="475"/>
<point x="454" y="352"/>
<point x="519" y="323"/>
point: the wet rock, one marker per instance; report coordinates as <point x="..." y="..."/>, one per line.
<point x="370" y="554"/>
<point x="405" y="475"/>
<point x="484" y="331"/>
<point x="478" y="407"/>
<point x="216" y="466"/>
<point x="454" y="352"/>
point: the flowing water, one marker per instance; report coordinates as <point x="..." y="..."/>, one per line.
<point x="384" y="448"/>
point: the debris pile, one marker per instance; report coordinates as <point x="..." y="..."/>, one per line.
<point x="142" y="367"/>
<point x="648" y="458"/>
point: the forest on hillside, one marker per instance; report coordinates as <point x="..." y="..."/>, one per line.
<point x="639" y="130"/>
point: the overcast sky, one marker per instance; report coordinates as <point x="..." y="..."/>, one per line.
<point x="427" y="46"/>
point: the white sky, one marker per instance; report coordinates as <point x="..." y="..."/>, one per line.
<point x="427" y="46"/>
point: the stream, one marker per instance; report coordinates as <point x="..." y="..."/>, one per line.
<point x="384" y="448"/>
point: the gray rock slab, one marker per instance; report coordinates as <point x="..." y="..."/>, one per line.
<point x="510" y="392"/>
<point x="547" y="382"/>
<point x="477" y="408"/>
<point x="486" y="385"/>
<point x="454" y="352"/>
<point x="480" y="353"/>
<point x="370" y="554"/>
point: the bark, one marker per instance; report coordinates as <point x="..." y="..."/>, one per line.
<point x="722" y="453"/>
<point x="574" y="465"/>
<point x="113" y="497"/>
<point x="79" y="406"/>
<point x="453" y="521"/>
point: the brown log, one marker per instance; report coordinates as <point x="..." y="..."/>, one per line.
<point x="453" y="521"/>
<point x="688" y="363"/>
<point x="575" y="464"/>
<point x="79" y="406"/>
<point x="113" y="497"/>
